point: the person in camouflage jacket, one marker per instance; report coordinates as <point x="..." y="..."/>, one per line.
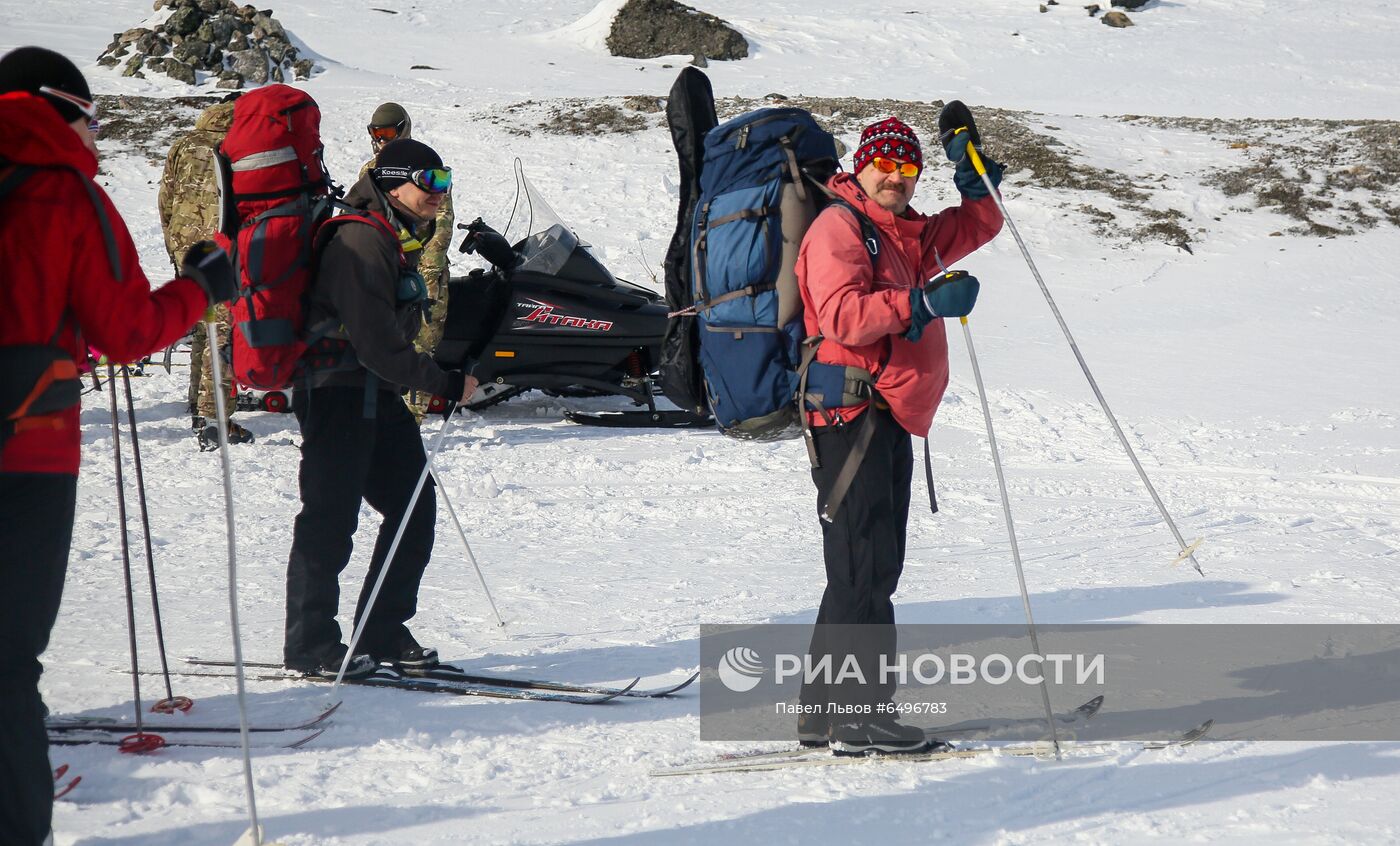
<point x="189" y="213"/>
<point x="391" y="121"/>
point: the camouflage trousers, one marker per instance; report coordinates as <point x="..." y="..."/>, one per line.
<point x="201" y="395"/>
<point x="430" y="333"/>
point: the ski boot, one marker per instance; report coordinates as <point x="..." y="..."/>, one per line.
<point x="813" y="731"/>
<point x="881" y="735"/>
<point x="208" y="434"/>
<point x="406" y="655"/>
<point x="327" y="663"/>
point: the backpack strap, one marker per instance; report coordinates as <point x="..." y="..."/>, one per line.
<point x="47" y="374"/>
<point x="870" y="237"/>
<point x="15" y="175"/>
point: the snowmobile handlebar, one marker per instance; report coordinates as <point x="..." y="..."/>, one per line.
<point x="491" y="244"/>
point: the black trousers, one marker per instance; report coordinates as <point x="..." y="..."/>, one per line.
<point x="355" y="446"/>
<point x="863" y="548"/>
<point x="36" y="531"/>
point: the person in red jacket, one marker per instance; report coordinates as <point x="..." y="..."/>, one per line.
<point x="879" y="313"/>
<point x="71" y="277"/>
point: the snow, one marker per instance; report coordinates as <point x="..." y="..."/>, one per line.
<point x="1255" y="377"/>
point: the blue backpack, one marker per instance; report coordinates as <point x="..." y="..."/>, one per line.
<point x="761" y="186"/>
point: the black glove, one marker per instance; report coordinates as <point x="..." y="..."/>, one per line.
<point x="492" y="245"/>
<point x="955" y="116"/>
<point x="208" y="265"/>
<point x="456" y="383"/>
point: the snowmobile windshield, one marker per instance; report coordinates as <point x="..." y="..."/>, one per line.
<point x="547" y="244"/>
<point x="547" y="252"/>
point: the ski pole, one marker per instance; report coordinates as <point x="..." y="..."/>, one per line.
<point x="1187" y="551"/>
<point x="1011" y="533"/>
<point x="394" y="547"/>
<point x="140" y="741"/>
<point x="442" y="491"/>
<point x="171" y="703"/>
<point x="254" y="834"/>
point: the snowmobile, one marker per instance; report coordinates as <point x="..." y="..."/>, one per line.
<point x="549" y="316"/>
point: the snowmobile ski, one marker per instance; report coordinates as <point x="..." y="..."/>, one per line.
<point x="67" y="724"/>
<point x="451" y="672"/>
<point x="1030" y="750"/>
<point x="102" y="738"/>
<point x="668" y="419"/>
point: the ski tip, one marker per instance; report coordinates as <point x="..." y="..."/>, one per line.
<point x="305" y="740"/>
<point x="63" y="791"/>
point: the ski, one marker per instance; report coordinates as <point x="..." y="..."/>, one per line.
<point x="103" y="738"/>
<point x="67" y="724"/>
<point x="388" y="677"/>
<point x="449" y="672"/>
<point x="61" y="790"/>
<point x="1078" y="715"/>
<point x="1030" y="750"/>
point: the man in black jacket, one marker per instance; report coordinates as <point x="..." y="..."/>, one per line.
<point x="359" y="441"/>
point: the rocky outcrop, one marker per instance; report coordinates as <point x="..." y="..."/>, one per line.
<point x="237" y="45"/>
<point x="646" y="29"/>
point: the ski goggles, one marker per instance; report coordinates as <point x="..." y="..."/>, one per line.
<point x="909" y="170"/>
<point x="435" y="180"/>
<point x="385" y="134"/>
<point x="87" y="107"/>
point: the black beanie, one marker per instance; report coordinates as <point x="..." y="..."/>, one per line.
<point x="30" y="68"/>
<point x="401" y="157"/>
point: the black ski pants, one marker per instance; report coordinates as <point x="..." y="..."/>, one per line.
<point x="36" y="531"/>
<point x="356" y="445"/>
<point x="863" y="548"/>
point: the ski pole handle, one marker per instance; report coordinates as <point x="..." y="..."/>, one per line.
<point x="972" y="154"/>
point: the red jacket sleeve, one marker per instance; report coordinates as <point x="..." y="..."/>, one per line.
<point x="955" y="232"/>
<point x="124" y="318"/>
<point x="850" y="308"/>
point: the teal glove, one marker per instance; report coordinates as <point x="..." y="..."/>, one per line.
<point x="965" y="176"/>
<point x="952" y="294"/>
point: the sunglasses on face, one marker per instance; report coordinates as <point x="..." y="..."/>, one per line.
<point x="385" y="134"/>
<point x="909" y="170"/>
<point x="87" y="107"/>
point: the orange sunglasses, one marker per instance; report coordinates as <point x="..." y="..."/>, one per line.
<point x="908" y="170"/>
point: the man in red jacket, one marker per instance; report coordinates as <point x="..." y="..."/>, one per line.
<point x="879" y="313"/>
<point x="72" y="276"/>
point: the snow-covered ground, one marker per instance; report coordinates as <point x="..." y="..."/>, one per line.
<point x="1256" y="377"/>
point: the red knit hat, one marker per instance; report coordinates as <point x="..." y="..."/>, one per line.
<point x="890" y="138"/>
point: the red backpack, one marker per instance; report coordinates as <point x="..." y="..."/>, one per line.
<point x="275" y="194"/>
